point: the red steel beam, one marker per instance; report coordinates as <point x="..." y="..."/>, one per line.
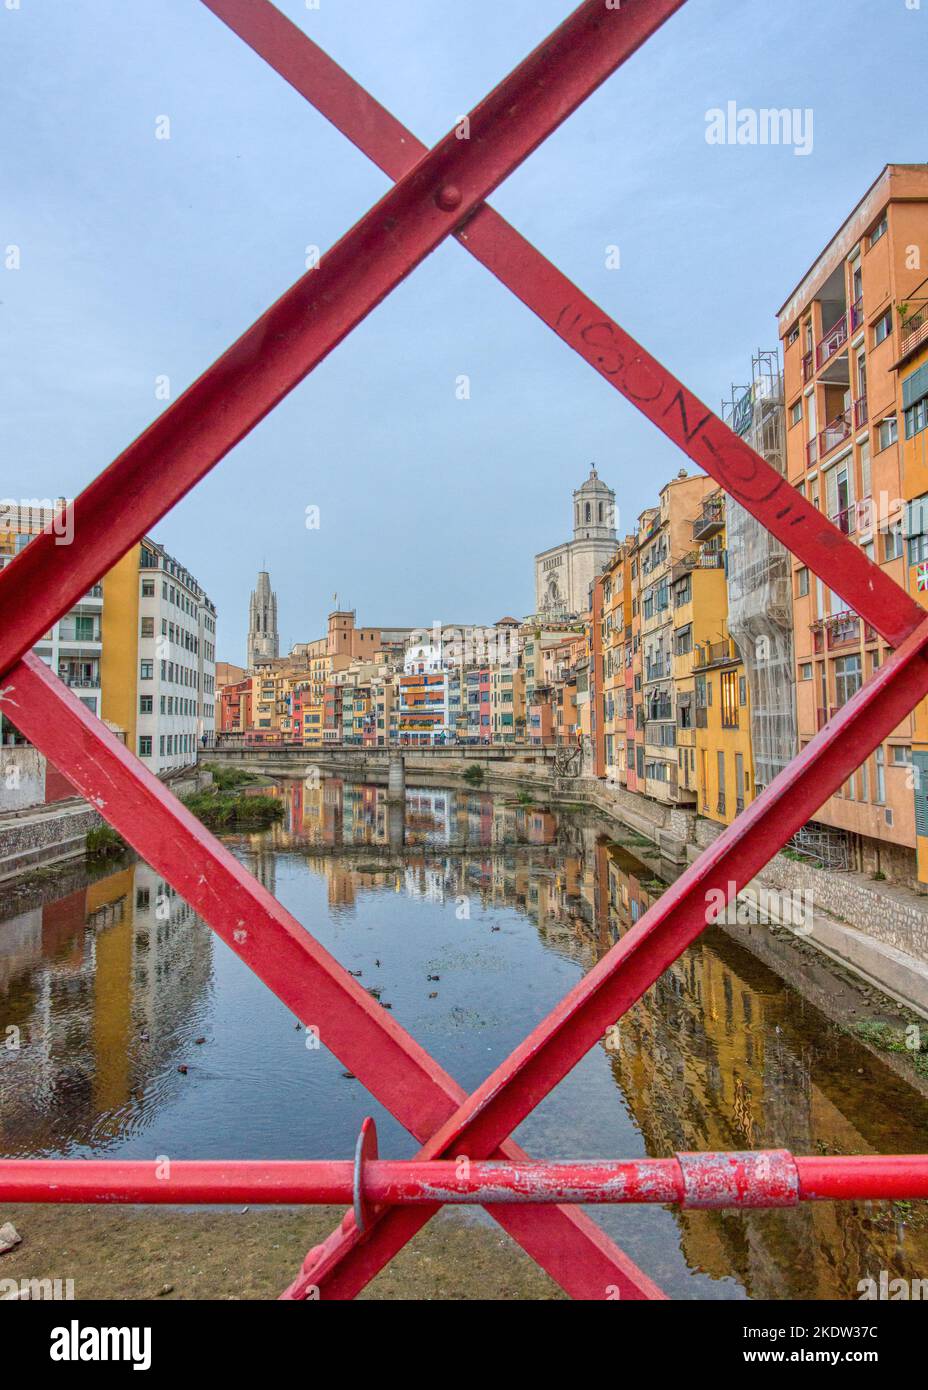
<point x="282" y="953"/>
<point x="345" y="1263"/>
<point x="585" y="327"/>
<point x="436" y="194"/>
<point x="757" y="1179"/>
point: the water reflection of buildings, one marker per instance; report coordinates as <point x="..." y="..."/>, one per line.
<point x="719" y="1054"/>
<point x="98" y="984"/>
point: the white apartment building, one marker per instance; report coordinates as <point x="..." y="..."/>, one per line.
<point x="176" y="661"/>
<point x="73" y="646"/>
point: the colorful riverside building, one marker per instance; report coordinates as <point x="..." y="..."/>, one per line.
<point x="138" y="649"/>
<point x="665" y="535"/>
<point x="424" y="712"/>
<point x="614" y="638"/>
<point x="840" y="330"/>
<point x="711" y="688"/>
<point x="912" y="399"/>
<point x="478" y="704"/>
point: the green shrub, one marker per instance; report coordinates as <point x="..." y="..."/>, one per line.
<point x="103" y="843"/>
<point x="225" y="810"/>
<point x="474" y="774"/>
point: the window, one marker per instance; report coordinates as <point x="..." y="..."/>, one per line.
<point x="145" y="670"/>
<point x="805" y="671"/>
<point x="683" y="640"/>
<point x="795" y="412"/>
<point x="887" y="432"/>
<point x="145" y="704"/>
<point x="729" y="693"/>
<point x="880" y="775"/>
<point x="916" y="418"/>
<point x="847" y="677"/>
<point x="802" y="582"/>
<point x="721" y="768"/>
<point x="145" y="746"/>
<point x="793" y="335"/>
<point x="879" y="230"/>
<point x="901" y="755"/>
<point x="148" y="627"/>
<point x="882" y="328"/>
<point x="148" y="588"/>
<point x="892" y="541"/>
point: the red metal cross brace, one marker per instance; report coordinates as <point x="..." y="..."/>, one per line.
<point x="438" y="193"/>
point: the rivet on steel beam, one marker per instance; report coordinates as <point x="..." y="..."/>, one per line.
<point x="365" y="1149"/>
<point x="448" y="197"/>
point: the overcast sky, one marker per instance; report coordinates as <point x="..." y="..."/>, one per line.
<point x="144" y="258"/>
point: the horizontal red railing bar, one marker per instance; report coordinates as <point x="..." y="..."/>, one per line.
<point x="623" y="975"/>
<point x="587" y="328"/>
<point x="315" y="314"/>
<point x="756" y="1176"/>
<point x="284" y="955"/>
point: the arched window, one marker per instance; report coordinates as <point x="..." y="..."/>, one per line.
<point x="600" y="512"/>
<point x="589" y="512"/>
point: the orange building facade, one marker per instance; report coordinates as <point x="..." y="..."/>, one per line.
<point x="840" y="338"/>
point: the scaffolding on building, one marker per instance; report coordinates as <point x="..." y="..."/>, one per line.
<point x="759" y="607"/>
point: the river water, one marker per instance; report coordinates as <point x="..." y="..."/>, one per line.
<point x="109" y="984"/>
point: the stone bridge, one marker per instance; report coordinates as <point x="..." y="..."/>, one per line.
<point x="511" y="762"/>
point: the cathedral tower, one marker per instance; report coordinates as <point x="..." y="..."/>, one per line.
<point x="263" y="640"/>
<point x="564" y="573"/>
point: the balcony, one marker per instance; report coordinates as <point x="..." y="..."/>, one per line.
<point x="840" y="630"/>
<point x="711" y="521"/>
<point x="913" y="329"/>
<point x="831" y="343"/>
<point x="846" y="520"/>
<point x="714" y="654"/>
<point x="843" y="630"/>
<point x="835" y="432"/>
<point x="811" y="453"/>
<point x="861" y="413"/>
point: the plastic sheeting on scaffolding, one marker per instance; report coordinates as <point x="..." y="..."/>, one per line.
<point x="759" y="580"/>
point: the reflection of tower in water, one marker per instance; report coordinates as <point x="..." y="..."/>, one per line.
<point x="263" y="864"/>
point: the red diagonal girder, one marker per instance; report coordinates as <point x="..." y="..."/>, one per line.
<point x="316" y="313"/>
<point x="368" y="1040"/>
<point x="304" y="325"/>
<point x="346" y="1262"/>
<point x="881" y="703"/>
<point x="587" y="328"/>
<point x="601" y="341"/>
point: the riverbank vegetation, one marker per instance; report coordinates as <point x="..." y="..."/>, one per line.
<point x="234" y="810"/>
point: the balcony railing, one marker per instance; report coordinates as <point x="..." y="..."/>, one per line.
<point x="835" y="432"/>
<point x="661" y="711"/>
<point x="861" y="412"/>
<point x="843" y="630"/>
<point x="710" y="522"/>
<point x="712" y="653"/>
<point x="913" y="329"/>
<point x="857" y="314"/>
<point x="846" y="520"/>
<point x="811" y="453"/>
<point x="832" y="342"/>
